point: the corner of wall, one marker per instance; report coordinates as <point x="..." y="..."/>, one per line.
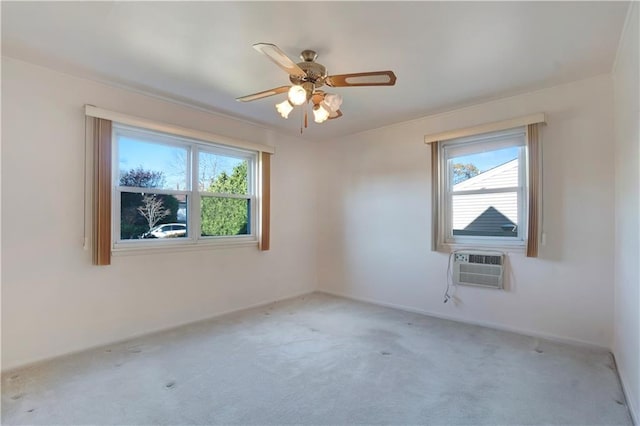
<point x="625" y="74"/>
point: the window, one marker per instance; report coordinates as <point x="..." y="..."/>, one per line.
<point x="487" y="185"/>
<point x="172" y="190"/>
<point x="483" y="187"/>
<point x="151" y="185"/>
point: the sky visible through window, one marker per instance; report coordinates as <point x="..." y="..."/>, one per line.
<point x="488" y="160"/>
<point x="168" y="159"/>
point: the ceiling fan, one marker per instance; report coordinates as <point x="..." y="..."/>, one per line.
<point x="307" y="77"/>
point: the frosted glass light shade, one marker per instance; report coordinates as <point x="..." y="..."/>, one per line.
<point x="321" y="113"/>
<point x="297" y="95"/>
<point x="284" y="108"/>
<point x="333" y="101"/>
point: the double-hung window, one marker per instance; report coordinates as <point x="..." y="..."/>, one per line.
<point x="153" y="185"/>
<point x="483" y="187"/>
<point x="487" y="185"/>
<point x="173" y="190"/>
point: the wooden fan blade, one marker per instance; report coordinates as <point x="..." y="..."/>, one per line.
<point x="265" y="94"/>
<point x="375" y="78"/>
<point x="279" y="58"/>
<point x="336" y="114"/>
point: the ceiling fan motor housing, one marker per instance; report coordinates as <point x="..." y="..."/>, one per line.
<point x="315" y="73"/>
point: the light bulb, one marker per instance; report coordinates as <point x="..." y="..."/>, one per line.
<point x="321" y="113"/>
<point x="284" y="108"/>
<point x="297" y="95"/>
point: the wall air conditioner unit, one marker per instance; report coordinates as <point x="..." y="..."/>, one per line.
<point x="478" y="268"/>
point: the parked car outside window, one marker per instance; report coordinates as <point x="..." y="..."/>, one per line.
<point x="167" y="230"/>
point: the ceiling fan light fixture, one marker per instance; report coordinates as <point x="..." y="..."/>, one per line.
<point x="309" y="75"/>
<point x="284" y="108"/>
<point x="321" y="112"/>
<point x="333" y="101"/>
<point x="297" y="95"/>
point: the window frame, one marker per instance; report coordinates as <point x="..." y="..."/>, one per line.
<point x="193" y="147"/>
<point x="251" y="196"/>
<point x="493" y="141"/>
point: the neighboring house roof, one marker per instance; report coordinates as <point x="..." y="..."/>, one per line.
<point x="501" y="176"/>
<point x="483" y="214"/>
<point x="490" y="222"/>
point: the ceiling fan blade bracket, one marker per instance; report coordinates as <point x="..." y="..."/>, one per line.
<point x="335" y="115"/>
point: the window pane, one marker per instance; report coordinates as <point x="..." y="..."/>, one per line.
<point x="222" y="174"/>
<point x="485" y="170"/>
<point x="488" y="215"/>
<point x="225" y="216"/>
<point x="152" y="216"/>
<point x="151" y="165"/>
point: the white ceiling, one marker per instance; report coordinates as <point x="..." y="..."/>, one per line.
<point x="445" y="55"/>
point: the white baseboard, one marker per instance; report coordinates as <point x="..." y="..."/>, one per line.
<point x="525" y="332"/>
<point x="42" y="360"/>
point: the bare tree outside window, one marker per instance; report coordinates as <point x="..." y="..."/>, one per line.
<point x="153" y="210"/>
<point x="208" y="168"/>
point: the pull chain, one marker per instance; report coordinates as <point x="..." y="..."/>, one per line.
<point x="304" y="120"/>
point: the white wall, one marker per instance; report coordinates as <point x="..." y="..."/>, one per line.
<point x="627" y="211"/>
<point x="376" y="219"/>
<point x="372" y="215"/>
<point x="54" y="300"/>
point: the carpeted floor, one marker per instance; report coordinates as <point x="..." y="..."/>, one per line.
<point x="320" y="359"/>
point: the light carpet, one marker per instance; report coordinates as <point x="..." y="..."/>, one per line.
<point x="321" y="359"/>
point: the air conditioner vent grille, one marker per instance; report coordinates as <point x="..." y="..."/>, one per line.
<point x="485" y="259"/>
<point x="478" y="269"/>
